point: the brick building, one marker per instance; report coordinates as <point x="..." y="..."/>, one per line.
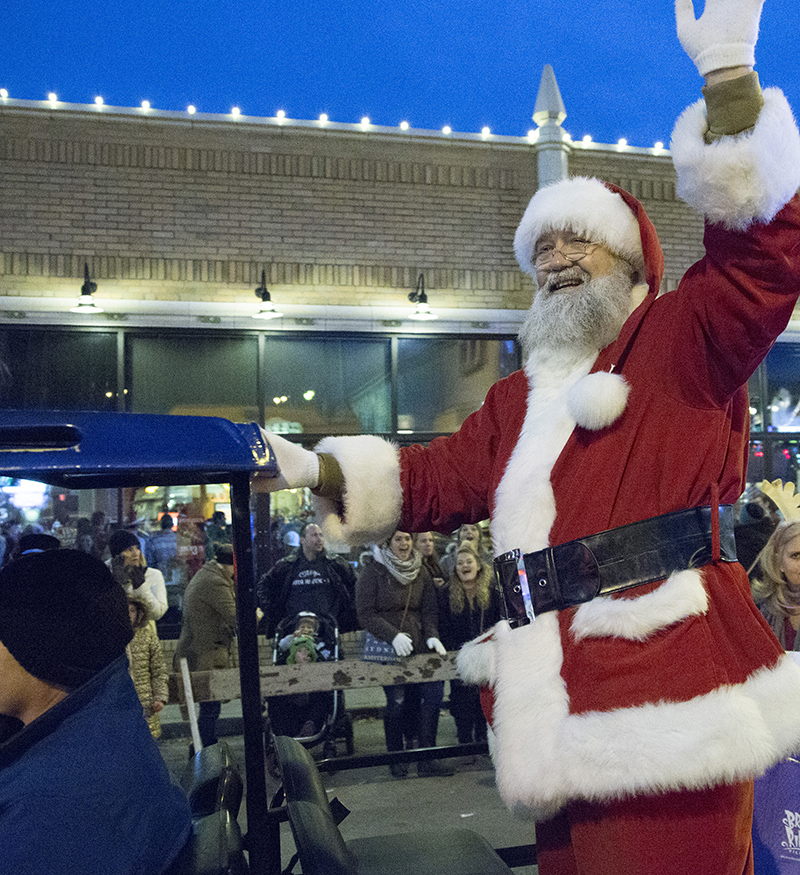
<point x="177" y="215"/>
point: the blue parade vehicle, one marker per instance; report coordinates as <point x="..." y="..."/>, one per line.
<point x="82" y="450"/>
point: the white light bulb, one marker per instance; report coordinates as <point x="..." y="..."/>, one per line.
<point x="365" y="121"/>
<point x="587" y="138"/>
<point x="658" y="146"/>
<point x="485" y="131"/>
<point x="145" y="104"/>
<point x="403" y="126"/>
<point x="447" y="129"/>
<point x="3" y="93"/>
<point x="323" y="117"/>
<point x="236" y="112"/>
<point x="191" y="109"/>
<point x="98" y="100"/>
<point x="280" y="114"/>
<point x="52" y="97"/>
<point x="622" y="142"/>
<point x="533" y="135"/>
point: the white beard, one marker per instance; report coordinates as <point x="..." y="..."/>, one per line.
<point x="589" y="316"/>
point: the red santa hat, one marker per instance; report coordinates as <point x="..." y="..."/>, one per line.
<point x="599" y="210"/>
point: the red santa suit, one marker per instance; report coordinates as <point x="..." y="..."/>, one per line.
<point x="670" y="688"/>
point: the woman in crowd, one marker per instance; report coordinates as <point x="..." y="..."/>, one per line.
<point x="396" y="602"/>
<point x="130" y="569"/>
<point x="473" y="607"/>
<point x="147" y="667"/>
<point x="777" y="591"/>
<point x="467" y="533"/>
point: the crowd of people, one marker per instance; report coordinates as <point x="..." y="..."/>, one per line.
<point x="403" y="597"/>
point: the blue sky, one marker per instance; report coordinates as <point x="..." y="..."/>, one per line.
<point x="466" y="63"/>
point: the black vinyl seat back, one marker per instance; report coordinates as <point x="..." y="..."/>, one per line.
<point x="212" y="781"/>
<point x="319" y="843"/>
<point x="214" y="847"/>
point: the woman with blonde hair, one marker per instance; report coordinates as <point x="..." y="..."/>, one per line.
<point x="472" y="608"/>
<point x="777" y="592"/>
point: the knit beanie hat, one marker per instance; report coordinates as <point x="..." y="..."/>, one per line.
<point x="602" y="212"/>
<point x="121" y="540"/>
<point x="63" y="617"/>
<point x="302" y="642"/>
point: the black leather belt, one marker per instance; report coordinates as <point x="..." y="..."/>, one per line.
<point x="642" y="552"/>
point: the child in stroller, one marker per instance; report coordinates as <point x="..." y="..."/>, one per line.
<point x="307" y="637"/>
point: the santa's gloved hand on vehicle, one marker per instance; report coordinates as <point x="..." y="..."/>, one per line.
<point x="297" y="467"/>
<point x="402" y="644"/>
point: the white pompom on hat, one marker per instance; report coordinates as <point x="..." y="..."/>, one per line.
<point x="586" y="206"/>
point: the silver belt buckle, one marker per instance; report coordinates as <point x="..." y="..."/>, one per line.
<point x="522" y="573"/>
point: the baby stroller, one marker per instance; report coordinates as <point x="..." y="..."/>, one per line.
<point x="310" y="718"/>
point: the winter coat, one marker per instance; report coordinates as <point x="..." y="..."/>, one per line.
<point x="84" y="788"/>
<point x="459" y="627"/>
<point x="209" y="621"/>
<point x="381" y="602"/>
<point x="148" y="672"/>
<point x="274" y="587"/>
<point x="678" y="684"/>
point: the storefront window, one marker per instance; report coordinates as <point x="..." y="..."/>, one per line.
<point x="327" y="385"/>
<point x="783" y="387"/>
<point x="50" y="370"/>
<point x="194" y="376"/>
<point x="442" y="381"/>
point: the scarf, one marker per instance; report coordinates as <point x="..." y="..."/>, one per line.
<point x="403" y="572"/>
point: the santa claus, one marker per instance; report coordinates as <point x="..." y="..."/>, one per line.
<point x="637" y="690"/>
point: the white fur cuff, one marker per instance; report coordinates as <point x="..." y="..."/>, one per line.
<point x="738" y="180"/>
<point x="373" y="498"/>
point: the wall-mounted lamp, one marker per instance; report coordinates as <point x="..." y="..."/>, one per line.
<point x="418" y="297"/>
<point x="86" y="302"/>
<point x="267" y="309"/>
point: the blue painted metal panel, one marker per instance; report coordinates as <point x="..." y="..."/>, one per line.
<point x="95" y="450"/>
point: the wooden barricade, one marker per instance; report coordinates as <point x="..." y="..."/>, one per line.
<point x="283" y="680"/>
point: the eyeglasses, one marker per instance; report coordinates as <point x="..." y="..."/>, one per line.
<point x="573" y="251"/>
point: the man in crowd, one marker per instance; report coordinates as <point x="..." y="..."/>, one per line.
<point x="208" y="629"/>
<point x="629" y="726"/>
<point x="83" y="787"/>
<point x="310" y="580"/>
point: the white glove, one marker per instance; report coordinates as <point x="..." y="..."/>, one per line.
<point x="724" y="36"/>
<point x="402" y="644"/>
<point x="285" y="642"/>
<point x="296" y="467"/>
<point x="436" y="644"/>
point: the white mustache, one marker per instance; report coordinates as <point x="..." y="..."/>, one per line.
<point x="569" y="274"/>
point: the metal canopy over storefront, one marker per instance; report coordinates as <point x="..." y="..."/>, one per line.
<point x="115" y="450"/>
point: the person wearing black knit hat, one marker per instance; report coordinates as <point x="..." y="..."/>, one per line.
<point x="130" y="569"/>
<point x="83" y="787"/>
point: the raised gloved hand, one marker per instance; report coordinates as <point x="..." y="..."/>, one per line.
<point x="436" y="644"/>
<point x="297" y="467"/>
<point x="402" y="644"/>
<point x="724" y="36"/>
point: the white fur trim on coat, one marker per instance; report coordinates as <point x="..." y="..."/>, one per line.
<point x="546" y="429"/>
<point x="545" y="756"/>
<point x="597" y="400"/>
<point x="740" y="179"/>
<point x="584" y="205"/>
<point x="373" y="498"/>
<point x="475" y="660"/>
<point x="680" y="596"/>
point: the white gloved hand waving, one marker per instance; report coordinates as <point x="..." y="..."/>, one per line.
<point x="436" y="644"/>
<point x="402" y="644"/>
<point x="724" y="36"/>
<point x="297" y="467"/>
